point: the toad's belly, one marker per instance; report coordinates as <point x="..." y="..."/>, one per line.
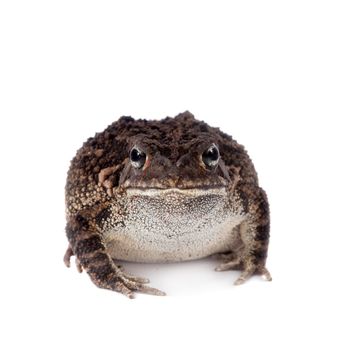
<point x="175" y="227"/>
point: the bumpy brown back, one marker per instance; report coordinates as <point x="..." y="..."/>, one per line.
<point x="173" y="137"/>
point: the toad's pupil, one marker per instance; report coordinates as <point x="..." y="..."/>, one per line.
<point x="211" y="156"/>
<point x="137" y="157"/>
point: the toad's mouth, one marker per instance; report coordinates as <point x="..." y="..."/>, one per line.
<point x="179" y="185"/>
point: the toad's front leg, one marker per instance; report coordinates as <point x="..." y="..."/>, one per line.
<point x="87" y="245"/>
<point x="254" y="233"/>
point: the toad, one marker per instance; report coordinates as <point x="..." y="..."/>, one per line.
<point x="165" y="190"/>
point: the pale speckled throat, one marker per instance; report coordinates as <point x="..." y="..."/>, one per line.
<point x="164" y="225"/>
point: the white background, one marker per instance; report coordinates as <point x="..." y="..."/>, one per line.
<point x="274" y="74"/>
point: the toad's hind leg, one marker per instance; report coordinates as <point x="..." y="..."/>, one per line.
<point x="86" y="242"/>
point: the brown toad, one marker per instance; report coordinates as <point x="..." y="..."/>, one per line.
<point x="160" y="191"/>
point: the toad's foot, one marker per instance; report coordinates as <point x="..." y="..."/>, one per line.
<point x="130" y="276"/>
<point x="253" y="270"/>
<point x="69" y="253"/>
<point x="248" y="271"/>
<point x="234" y="264"/>
<point x="122" y="282"/>
<point x="229" y="258"/>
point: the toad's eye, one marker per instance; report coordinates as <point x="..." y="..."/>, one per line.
<point x="211" y="156"/>
<point x="137" y="158"/>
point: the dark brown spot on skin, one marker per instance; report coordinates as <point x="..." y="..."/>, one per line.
<point x="259" y="256"/>
<point x="88" y="245"/>
<point x="244" y="200"/>
<point x="102" y="215"/>
<point x="96" y="259"/>
<point x="262" y="233"/>
<point x="82" y="221"/>
<point x="101" y="272"/>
